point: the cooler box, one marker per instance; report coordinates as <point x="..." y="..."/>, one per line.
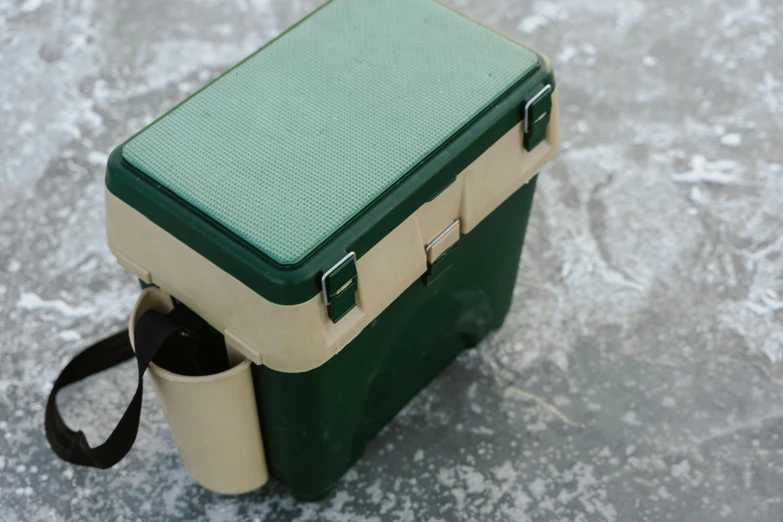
<point x="347" y="206"/>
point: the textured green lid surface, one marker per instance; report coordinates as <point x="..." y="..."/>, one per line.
<point x="290" y="145"/>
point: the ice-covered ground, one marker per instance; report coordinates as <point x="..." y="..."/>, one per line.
<point x="639" y="375"/>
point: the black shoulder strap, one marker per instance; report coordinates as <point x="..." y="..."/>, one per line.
<point x="152" y="330"/>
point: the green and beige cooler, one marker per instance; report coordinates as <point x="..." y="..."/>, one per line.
<point x="347" y="207"/>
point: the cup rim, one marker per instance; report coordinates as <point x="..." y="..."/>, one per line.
<point x="156" y="299"/>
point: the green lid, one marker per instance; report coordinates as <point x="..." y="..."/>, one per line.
<point x="287" y="149"/>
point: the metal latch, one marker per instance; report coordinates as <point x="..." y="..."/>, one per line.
<point x="438" y="249"/>
<point x="338" y="287"/>
<point x="538" y="112"/>
<point x="442" y="242"/>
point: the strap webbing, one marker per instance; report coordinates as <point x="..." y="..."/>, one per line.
<point x="152" y="331"/>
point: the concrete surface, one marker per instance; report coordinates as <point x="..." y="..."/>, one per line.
<point x="639" y="375"/>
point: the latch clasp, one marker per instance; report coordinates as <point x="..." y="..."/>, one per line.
<point x="442" y="242"/>
<point x="538" y="112"/>
<point x="438" y="251"/>
<point x="338" y="287"/>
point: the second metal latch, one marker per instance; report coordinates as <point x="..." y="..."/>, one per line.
<point x="338" y="287"/>
<point x="538" y="112"/>
<point x="442" y="242"/>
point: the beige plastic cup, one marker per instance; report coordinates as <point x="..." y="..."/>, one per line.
<point x="213" y="418"/>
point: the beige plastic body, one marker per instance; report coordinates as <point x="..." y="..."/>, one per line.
<point x="300" y="337"/>
<point x="213" y="418"/>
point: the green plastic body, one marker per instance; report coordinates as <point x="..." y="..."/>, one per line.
<point x="317" y="424"/>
